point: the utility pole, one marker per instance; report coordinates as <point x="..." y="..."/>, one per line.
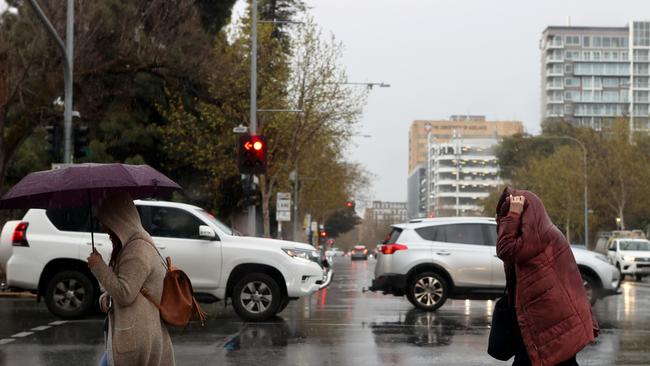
<point x="252" y="231"/>
<point x="67" y="51"/>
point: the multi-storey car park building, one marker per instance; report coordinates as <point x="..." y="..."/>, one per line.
<point x="460" y="167"/>
<point x="593" y="75"/>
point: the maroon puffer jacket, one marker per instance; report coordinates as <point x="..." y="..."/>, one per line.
<point x="553" y="311"/>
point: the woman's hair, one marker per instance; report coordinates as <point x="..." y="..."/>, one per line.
<point x="117" y="247"/>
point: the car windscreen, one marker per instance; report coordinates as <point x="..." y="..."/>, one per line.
<point x="391" y="237"/>
<point x="634" y="245"/>
<point x="209" y="217"/>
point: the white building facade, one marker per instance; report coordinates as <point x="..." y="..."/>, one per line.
<point x="593" y="75"/>
<point x="460" y="173"/>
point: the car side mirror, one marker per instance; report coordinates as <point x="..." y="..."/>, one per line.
<point x="206" y="232"/>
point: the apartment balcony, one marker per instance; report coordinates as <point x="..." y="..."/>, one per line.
<point x="550" y="60"/>
<point x="550" y="86"/>
<point x="486" y="183"/>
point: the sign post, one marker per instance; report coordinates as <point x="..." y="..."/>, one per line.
<point x="282" y="210"/>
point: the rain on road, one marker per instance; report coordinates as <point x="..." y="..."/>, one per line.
<point x="339" y="326"/>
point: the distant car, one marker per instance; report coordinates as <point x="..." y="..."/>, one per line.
<point x="431" y="260"/>
<point x="359" y="252"/>
<point x="335" y="252"/>
<point x="630" y="256"/>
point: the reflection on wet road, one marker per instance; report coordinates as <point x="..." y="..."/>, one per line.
<point x="339" y="326"/>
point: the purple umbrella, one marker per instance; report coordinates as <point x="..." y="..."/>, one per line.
<point x="86" y="184"/>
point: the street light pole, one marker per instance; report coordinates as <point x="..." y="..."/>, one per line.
<point x="584" y="161"/>
<point x="67" y="51"/>
<point x="253" y="107"/>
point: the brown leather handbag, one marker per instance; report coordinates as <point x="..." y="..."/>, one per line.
<point x="177" y="305"/>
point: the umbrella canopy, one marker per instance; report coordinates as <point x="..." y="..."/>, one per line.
<point x="86" y="184"/>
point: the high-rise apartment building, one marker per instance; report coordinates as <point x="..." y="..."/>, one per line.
<point x="593" y="75"/>
<point x="460" y="167"/>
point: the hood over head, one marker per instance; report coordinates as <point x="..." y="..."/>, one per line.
<point x="534" y="218"/>
<point x="117" y="212"/>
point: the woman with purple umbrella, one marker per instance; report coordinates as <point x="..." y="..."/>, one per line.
<point x="136" y="334"/>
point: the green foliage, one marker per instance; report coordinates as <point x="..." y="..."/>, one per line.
<point x="617" y="174"/>
<point x="341" y="222"/>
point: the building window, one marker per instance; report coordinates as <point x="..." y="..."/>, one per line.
<point x="572" y="82"/>
<point x="572" y="40"/>
<point x="586" y="41"/>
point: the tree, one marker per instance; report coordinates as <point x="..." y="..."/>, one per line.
<point x="131" y="59"/>
<point x="341" y="222"/>
<point x="328" y="114"/>
<point x="621" y="173"/>
<point x="558" y="181"/>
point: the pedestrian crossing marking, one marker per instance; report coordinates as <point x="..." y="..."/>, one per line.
<point x="22" y="334"/>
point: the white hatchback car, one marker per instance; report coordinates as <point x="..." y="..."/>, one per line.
<point x="430" y="260"/>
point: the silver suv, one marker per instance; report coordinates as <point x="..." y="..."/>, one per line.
<point x="431" y="260"/>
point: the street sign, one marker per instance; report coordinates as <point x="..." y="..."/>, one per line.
<point x="283" y="206"/>
<point x="240" y="129"/>
<point x="283" y="216"/>
<point x="314" y="226"/>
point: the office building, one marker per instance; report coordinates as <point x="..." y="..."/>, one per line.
<point x="593" y="75"/>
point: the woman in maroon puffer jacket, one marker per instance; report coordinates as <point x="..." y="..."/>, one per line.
<point x="553" y="312"/>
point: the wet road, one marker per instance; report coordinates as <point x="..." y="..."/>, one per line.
<point x="339" y="326"/>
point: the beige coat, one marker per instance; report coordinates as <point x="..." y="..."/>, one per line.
<point x="137" y="333"/>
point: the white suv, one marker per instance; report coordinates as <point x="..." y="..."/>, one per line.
<point x="630" y="256"/>
<point x="46" y="253"/>
<point x="430" y="260"/>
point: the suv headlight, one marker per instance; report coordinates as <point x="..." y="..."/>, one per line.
<point x="301" y="253"/>
<point x="628" y="258"/>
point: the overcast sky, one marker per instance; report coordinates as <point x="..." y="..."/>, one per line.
<point x="447" y="57"/>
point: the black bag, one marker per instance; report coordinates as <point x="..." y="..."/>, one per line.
<point x="502" y="343"/>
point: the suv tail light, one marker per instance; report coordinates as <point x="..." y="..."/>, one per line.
<point x="19" y="238"/>
<point x="392" y="248"/>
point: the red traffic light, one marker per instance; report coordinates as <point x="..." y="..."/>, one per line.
<point x="349" y="204"/>
<point x="252" y="154"/>
<point x="323" y="234"/>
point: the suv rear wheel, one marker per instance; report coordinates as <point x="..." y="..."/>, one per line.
<point x="256" y="297"/>
<point x="427" y="291"/>
<point x="69" y="294"/>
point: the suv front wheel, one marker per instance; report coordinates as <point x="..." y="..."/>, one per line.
<point x="256" y="297"/>
<point x="427" y="291"/>
<point x="69" y="294"/>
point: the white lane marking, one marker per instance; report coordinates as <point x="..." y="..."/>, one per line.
<point x="42" y="327"/>
<point x="6" y="340"/>
<point x="59" y="322"/>
<point x="22" y="334"/>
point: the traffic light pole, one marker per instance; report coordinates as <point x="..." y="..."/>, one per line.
<point x="252" y="231"/>
<point x="67" y="50"/>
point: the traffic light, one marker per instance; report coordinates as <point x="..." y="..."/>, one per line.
<point x="52" y="140"/>
<point x="323" y="234"/>
<point x="81" y="142"/>
<point x="350" y="205"/>
<point x="249" y="194"/>
<point x="252" y="154"/>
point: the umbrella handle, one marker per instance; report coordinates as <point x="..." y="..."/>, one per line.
<point x="92" y="223"/>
